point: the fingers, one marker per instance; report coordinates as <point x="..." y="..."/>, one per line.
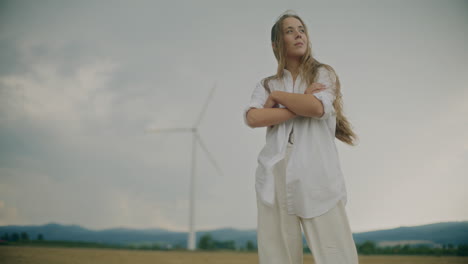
<point x="319" y="85"/>
<point x="313" y="90"/>
<point x="318" y="90"/>
<point x="315" y="86"/>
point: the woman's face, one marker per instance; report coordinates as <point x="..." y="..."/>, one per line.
<point x="294" y="36"/>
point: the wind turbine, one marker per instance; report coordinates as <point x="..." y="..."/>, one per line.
<point x="195" y="138"/>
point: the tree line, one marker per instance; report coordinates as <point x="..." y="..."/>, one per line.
<point x="365" y="248"/>
<point x="207" y="243"/>
<point x="371" y="248"/>
<point x="23" y="236"/>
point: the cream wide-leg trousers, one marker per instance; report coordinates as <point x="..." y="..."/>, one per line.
<point x="279" y="235"/>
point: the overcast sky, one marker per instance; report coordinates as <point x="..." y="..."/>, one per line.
<point x="80" y="81"/>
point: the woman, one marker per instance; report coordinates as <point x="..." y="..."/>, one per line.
<point x="298" y="179"/>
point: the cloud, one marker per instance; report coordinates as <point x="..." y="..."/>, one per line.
<point x="43" y="94"/>
<point x="7" y="214"/>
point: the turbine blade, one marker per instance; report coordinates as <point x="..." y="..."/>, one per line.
<point x="205" y="106"/>
<point x="213" y="161"/>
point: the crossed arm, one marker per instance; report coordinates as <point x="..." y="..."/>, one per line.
<point x="296" y="105"/>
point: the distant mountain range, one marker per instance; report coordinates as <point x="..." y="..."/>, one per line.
<point x="434" y="235"/>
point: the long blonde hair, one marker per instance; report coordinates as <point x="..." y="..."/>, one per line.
<point x="308" y="69"/>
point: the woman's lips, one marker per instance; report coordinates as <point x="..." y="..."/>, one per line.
<point x="299" y="44"/>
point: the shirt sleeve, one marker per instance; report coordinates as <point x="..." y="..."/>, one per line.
<point x="328" y="95"/>
<point x="257" y="100"/>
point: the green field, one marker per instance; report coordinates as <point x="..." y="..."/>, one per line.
<point x="51" y="255"/>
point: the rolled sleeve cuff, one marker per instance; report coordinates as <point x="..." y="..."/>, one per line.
<point x="327" y="102"/>
<point x="246" y="109"/>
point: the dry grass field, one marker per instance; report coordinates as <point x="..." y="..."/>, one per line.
<point x="29" y="255"/>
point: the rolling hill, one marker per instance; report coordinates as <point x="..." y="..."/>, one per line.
<point x="435" y="234"/>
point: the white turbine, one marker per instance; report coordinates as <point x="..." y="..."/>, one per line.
<point x="195" y="138"/>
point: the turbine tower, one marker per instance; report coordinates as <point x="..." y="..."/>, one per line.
<point x="195" y="138"/>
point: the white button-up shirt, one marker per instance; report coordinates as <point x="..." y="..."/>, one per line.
<point x="314" y="180"/>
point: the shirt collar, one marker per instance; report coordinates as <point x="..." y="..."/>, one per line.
<point x="289" y="75"/>
<point x="287" y="72"/>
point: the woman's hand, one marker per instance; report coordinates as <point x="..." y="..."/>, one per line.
<point x="314" y="88"/>
<point x="270" y="102"/>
